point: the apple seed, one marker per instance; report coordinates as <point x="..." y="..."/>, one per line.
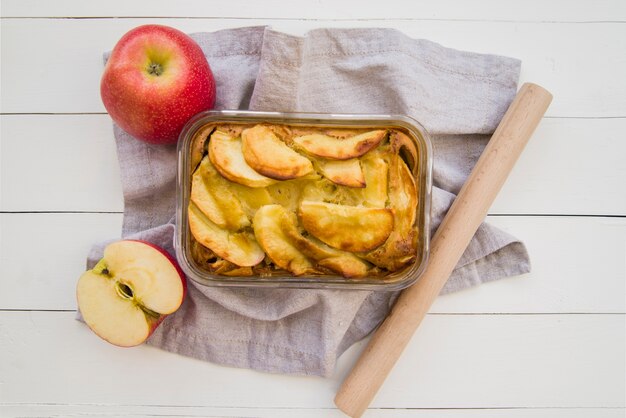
<point x="124" y="290"/>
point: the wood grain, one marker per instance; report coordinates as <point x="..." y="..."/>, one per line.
<point x="567" y="362"/>
<point x="77" y="155"/>
<point x="483" y="10"/>
<point x="151" y="411"/>
<point x="452" y="237"/>
<point x="569" y="274"/>
<point x="570" y="55"/>
<point x="64" y="162"/>
<point x="456" y="361"/>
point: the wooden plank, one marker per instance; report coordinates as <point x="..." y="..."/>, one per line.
<point x="570" y="166"/>
<point x="59" y="163"/>
<point x="69" y="163"/>
<point x="44" y="254"/>
<point x="568" y="365"/>
<point x="64" y="75"/>
<point x="532" y="10"/>
<point x="575" y="261"/>
<point x="578" y="264"/>
<point x="457" y="361"/>
<point x="148" y="411"/>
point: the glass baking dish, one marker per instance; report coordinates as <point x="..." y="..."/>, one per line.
<point x="422" y="172"/>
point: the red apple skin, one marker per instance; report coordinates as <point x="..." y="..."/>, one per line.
<point x="153" y="322"/>
<point x="154" y="108"/>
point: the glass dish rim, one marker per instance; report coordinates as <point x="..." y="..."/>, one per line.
<point x="405" y="277"/>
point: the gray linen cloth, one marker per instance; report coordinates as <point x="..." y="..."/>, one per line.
<point x="458" y="96"/>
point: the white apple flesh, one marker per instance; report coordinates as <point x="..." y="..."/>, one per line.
<point x="130" y="291"/>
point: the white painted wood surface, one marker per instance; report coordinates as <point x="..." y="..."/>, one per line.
<point x="578" y="63"/>
<point x="490" y="361"/>
<point x="548" y="344"/>
<point x="565" y="278"/>
<point x="566" y="158"/>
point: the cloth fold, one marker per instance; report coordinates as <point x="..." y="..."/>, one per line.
<point x="458" y="96"/>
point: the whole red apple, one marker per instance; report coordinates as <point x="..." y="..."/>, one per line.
<point x="155" y="79"/>
<point x="125" y="297"/>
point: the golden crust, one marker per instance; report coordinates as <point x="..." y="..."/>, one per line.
<point x="198" y="145"/>
<point x="226" y="155"/>
<point x="270" y="156"/>
<point x="239" y="248"/>
<point x="340" y="149"/>
<point x="344" y="172"/>
<point x="342" y="262"/>
<point x="400" y="247"/>
<point x="268" y="232"/>
<point x="376" y="178"/>
<point x="356" y="214"/>
<point x="215" y="197"/>
<point x="348" y="228"/>
<point x="402" y="145"/>
<point x="277" y="232"/>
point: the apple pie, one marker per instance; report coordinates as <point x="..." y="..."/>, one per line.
<point x="274" y="199"/>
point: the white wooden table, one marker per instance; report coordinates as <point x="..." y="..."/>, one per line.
<point x="549" y="344"/>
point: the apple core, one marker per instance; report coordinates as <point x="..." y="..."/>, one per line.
<point x="124" y="290"/>
<point x="155" y="69"/>
<point x="130" y="291"/>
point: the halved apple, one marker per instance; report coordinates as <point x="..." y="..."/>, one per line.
<point x="130" y="291"/>
<point x="344" y="172"/>
<point x="226" y="155"/>
<point x="237" y="247"/>
<point x="270" y="156"/>
<point x="349" y="228"/>
<point x="269" y="233"/>
<point x="215" y="197"/>
<point x="340" y="149"/>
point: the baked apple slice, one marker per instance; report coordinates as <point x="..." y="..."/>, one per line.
<point x="270" y="156"/>
<point x="215" y="197"/>
<point x="399" y="249"/>
<point x="376" y="179"/>
<point x="340" y="149"/>
<point x="269" y="233"/>
<point x="344" y="263"/>
<point x="130" y="291"/>
<point x="239" y="248"/>
<point x="349" y="228"/>
<point x="226" y="155"/>
<point x="252" y="198"/>
<point x="344" y="172"/>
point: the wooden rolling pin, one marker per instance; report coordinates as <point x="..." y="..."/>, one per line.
<point x="452" y="237"/>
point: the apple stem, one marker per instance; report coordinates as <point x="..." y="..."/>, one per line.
<point x="155" y="69"/>
<point x="101" y="268"/>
